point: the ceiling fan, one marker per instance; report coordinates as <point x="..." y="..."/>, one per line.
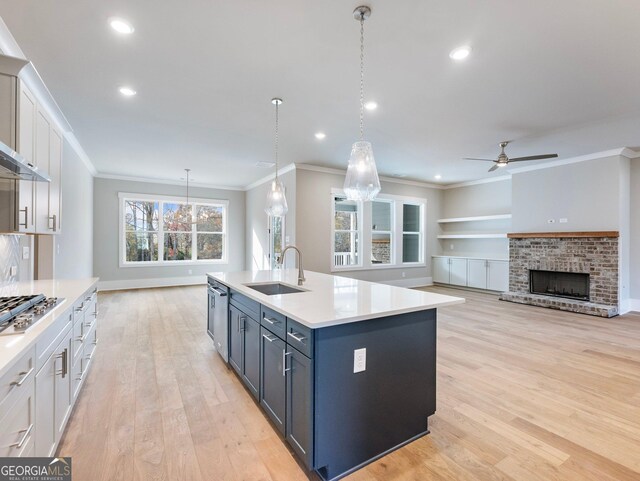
<point x="503" y="160"/>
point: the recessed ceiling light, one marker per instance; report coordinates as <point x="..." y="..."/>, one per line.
<point x="127" y="91"/>
<point x="460" y="53"/>
<point x="320" y="135"/>
<point x="437" y="177"/>
<point x="121" y="26"/>
<point x="371" y="106"/>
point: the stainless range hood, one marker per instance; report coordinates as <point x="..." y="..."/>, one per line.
<point x="13" y="166"/>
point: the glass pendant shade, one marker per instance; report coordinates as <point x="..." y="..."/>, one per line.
<point x="276" y="205"/>
<point x="362" y="182"/>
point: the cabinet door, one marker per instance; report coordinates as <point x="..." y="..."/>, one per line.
<point x="26" y="148"/>
<point x="273" y="384"/>
<point x="42" y="153"/>
<point x="498" y="276"/>
<point x="210" y="313"/>
<point x="235" y="339"/>
<point x="299" y="425"/>
<point x="477" y="273"/>
<point x="62" y="386"/>
<point x="45" y="416"/>
<point x="251" y="353"/>
<point x="441" y="270"/>
<point x="458" y="272"/>
<point x="55" y="172"/>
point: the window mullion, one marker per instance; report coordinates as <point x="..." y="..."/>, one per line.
<point x="194" y="230"/>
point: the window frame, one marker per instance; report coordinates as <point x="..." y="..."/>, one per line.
<point x="420" y="234"/>
<point x="366" y="227"/>
<point x="391" y="232"/>
<point x="358" y="231"/>
<point x="123" y="197"/>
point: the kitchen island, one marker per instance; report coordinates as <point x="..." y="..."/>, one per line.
<point x="345" y="369"/>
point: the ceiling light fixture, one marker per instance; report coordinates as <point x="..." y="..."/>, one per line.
<point x="276" y="205"/>
<point x="362" y="182"/>
<point x="371" y="106"/>
<point x="121" y="26"/>
<point x="184" y="213"/>
<point x="127" y="91"/>
<point x="320" y="135"/>
<point x="460" y="53"/>
<point x="437" y="177"/>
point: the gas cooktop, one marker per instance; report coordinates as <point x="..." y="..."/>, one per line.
<point x="19" y="313"/>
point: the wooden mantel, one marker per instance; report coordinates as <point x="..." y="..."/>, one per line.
<point x="557" y="235"/>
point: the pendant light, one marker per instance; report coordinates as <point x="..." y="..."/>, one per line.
<point x="362" y="182"/>
<point x="276" y="205"/>
<point x="188" y="218"/>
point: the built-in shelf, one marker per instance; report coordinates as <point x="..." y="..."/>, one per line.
<point x="475" y="218"/>
<point x="472" y="236"/>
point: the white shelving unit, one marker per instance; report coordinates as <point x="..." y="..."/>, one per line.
<point x="478" y="218"/>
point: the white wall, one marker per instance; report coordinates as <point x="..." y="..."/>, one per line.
<point x="257" y="235"/>
<point x="106" y="242"/>
<point x="634" y="272"/>
<point x="74" y="246"/>
<point x="585" y="193"/>
<point x="313" y="225"/>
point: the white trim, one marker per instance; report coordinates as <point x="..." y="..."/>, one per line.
<point x="488" y="180"/>
<point x="409" y="283"/>
<point x="172" y="198"/>
<point x="624" y="152"/>
<point x="475" y="219"/>
<point x="269" y="177"/>
<point x="394" y="180"/>
<point x="80" y="152"/>
<point x="149" y="283"/>
<point x="472" y="236"/>
<point x="630" y="305"/>
<point x="149" y="180"/>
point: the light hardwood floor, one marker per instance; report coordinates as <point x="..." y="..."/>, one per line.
<point x="524" y="394"/>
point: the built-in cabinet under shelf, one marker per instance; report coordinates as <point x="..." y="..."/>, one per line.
<point x="479" y="273"/>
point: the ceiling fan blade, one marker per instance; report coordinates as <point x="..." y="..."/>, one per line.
<point x="534" y="157"/>
<point x="495" y="167"/>
<point x="474" y="158"/>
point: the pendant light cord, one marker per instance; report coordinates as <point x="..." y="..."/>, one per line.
<point x="277" y="104"/>
<point x="362" y="76"/>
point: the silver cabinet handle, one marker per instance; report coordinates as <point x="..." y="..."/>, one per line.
<point x="271" y="321"/>
<point x="284" y="362"/>
<point x="65" y="370"/>
<point x="25" y="375"/>
<point x="55" y="223"/>
<point x="269" y="338"/>
<point x="81" y="308"/>
<point x="296" y="336"/>
<point x="244" y="320"/>
<point x="25" y="436"/>
<point x="26" y="216"/>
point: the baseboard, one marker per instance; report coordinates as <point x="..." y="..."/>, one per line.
<point x="630" y="305"/>
<point x="154" y="282"/>
<point x="412" y="282"/>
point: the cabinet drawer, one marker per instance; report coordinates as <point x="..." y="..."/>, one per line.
<point x="17" y="427"/>
<point x="249" y="306"/>
<point x="300" y="337"/>
<point x="52" y="337"/>
<point x="274" y="321"/>
<point x="14" y="381"/>
<point x="79" y="336"/>
<point x="90" y="342"/>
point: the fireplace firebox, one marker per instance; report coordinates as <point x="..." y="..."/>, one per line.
<point x="570" y="285"/>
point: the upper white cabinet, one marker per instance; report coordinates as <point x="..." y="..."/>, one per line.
<point x="26" y="146"/>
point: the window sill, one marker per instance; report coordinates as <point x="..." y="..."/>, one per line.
<point x="172" y="263"/>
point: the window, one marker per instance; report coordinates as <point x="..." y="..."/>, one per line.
<point x="164" y="231"/>
<point x="346" y="232"/>
<point x="276" y="240"/>
<point x="411" y="233"/>
<point x="390" y="233"/>
<point x="381" y="232"/>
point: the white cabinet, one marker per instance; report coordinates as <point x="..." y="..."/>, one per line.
<point x="54" y="223"/>
<point x="477" y="273"/>
<point x="26" y="147"/>
<point x="490" y="274"/>
<point x="498" y="275"/>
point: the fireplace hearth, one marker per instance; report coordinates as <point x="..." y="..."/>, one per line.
<point x="569" y="285"/>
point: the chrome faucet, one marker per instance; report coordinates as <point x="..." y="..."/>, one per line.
<point x="301" y="278"/>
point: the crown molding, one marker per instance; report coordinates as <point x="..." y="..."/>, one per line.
<point x="150" y="180"/>
<point x="622" y="151"/>
<point x="269" y="177"/>
<point x="488" y="180"/>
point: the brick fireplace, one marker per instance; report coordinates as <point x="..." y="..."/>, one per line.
<point x="558" y="255"/>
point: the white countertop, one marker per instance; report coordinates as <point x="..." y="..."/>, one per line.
<point x="332" y="300"/>
<point x="11" y="347"/>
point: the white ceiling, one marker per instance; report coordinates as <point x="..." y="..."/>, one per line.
<point x="554" y="77"/>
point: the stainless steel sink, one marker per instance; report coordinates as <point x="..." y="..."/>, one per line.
<point x="274" y="288"/>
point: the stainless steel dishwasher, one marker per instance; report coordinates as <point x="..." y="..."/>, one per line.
<point x="217" y="322"/>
